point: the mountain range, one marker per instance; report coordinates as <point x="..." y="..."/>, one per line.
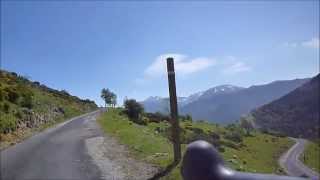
<point x="225" y="103"/>
<point x="295" y="114"/>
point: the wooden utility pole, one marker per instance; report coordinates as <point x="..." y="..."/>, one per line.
<point x="174" y="110"/>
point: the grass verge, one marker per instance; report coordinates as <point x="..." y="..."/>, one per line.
<point x="258" y="153"/>
<point x="312" y="156"/>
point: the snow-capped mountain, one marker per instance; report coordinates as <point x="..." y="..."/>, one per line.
<point x="161" y="104"/>
<point x="222" y="89"/>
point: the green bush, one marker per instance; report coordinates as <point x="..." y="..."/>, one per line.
<point x="190" y="134"/>
<point x="13" y="96"/>
<point x="221" y="149"/>
<point x="6" y="107"/>
<point x="7" y="123"/>
<point x="157" y="117"/>
<point x="26" y="101"/>
<point x="229" y="144"/>
<point x="186" y="118"/>
<point x="134" y="111"/>
<point x="18" y="114"/>
<point x="215" y="139"/>
<point x="234" y="136"/>
<point x="2" y="95"/>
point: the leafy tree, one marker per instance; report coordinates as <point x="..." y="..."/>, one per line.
<point x="108" y="97"/>
<point x="113" y="99"/>
<point x="133" y="109"/>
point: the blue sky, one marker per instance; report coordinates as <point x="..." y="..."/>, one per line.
<point x="84" y="46"/>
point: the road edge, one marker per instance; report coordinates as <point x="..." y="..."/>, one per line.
<point x="51" y="128"/>
<point x="285" y="155"/>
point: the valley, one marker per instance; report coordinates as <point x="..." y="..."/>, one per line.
<point x="145" y="141"/>
<point x="159" y="90"/>
<point x="210" y="105"/>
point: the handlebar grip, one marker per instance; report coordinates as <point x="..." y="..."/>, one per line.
<point x="202" y="161"/>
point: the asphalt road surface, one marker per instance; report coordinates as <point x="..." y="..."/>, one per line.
<point x="291" y="163"/>
<point x="56" y="153"/>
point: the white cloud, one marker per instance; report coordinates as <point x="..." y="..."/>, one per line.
<point x="183" y="65"/>
<point x="312" y="43"/>
<point x="236" y="67"/>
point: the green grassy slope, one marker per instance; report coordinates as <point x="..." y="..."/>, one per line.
<point x="312" y="156"/>
<point x="255" y="153"/>
<point x="23" y="101"/>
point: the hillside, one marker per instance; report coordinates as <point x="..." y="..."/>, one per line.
<point x="150" y="142"/>
<point x="27" y="105"/>
<point x="295" y="114"/>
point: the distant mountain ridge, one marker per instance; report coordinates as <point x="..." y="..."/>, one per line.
<point x="295" y="114"/>
<point x="222" y="89"/>
<point x="161" y="104"/>
<point x="226" y="103"/>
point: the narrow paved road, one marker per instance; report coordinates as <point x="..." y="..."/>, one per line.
<point x="74" y="150"/>
<point x="291" y="163"/>
<point x="56" y="153"/>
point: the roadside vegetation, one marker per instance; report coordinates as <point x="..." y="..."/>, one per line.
<point x="148" y="137"/>
<point x="311" y="156"/>
<point x="26" y="106"/>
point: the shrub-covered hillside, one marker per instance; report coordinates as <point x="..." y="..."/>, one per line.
<point x="295" y="114"/>
<point x="26" y="105"/>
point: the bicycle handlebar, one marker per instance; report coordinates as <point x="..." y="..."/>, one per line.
<point x="202" y="161"/>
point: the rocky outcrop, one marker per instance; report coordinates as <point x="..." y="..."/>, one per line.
<point x="34" y="120"/>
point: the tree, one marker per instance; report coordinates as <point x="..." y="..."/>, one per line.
<point x="108" y="97"/>
<point x="246" y="124"/>
<point x="133" y="109"/>
<point x="113" y="99"/>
